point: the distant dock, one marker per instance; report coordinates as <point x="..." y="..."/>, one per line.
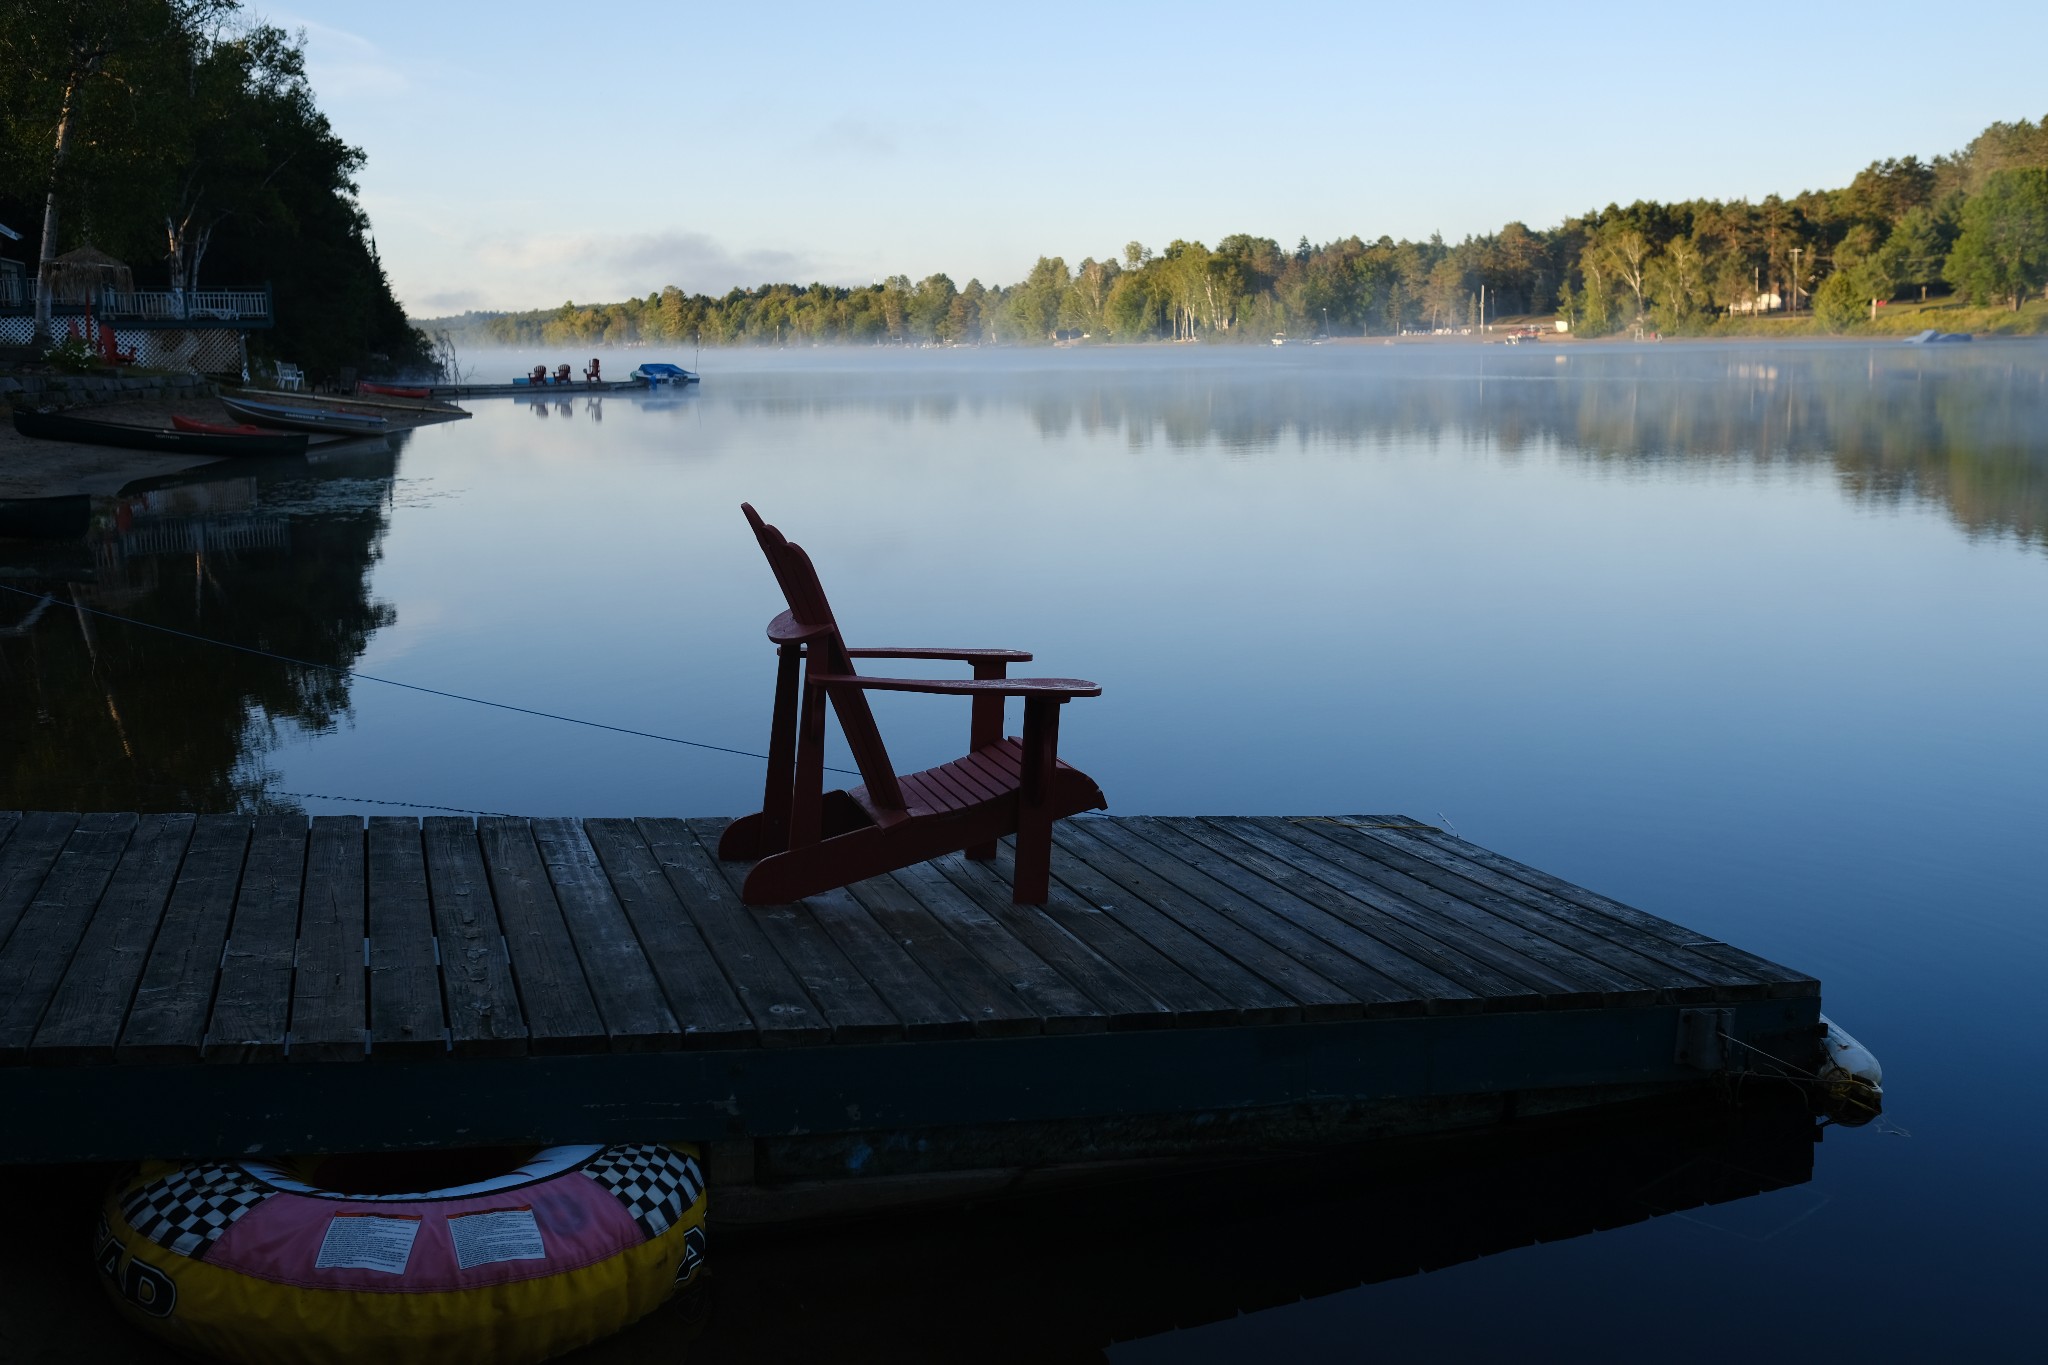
<point x="568" y="390"/>
<point x="181" y="985"/>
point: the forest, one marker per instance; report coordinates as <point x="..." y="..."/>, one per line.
<point x="1972" y="224"/>
<point x="183" y="138"/>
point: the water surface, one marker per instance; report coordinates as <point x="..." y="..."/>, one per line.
<point x="1751" y="637"/>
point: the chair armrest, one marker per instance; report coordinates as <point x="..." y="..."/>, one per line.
<point x="1015" y="656"/>
<point x="965" y="687"/>
<point x="784" y="630"/>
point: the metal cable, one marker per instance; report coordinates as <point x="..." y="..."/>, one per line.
<point x="410" y="687"/>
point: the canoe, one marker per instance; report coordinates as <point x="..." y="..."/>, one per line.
<point x="301" y="419"/>
<point x="61" y="426"/>
<point x="216" y="428"/>
<point x="64" y="517"/>
<point x="392" y="390"/>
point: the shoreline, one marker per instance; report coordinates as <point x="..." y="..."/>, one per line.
<point x="31" y="467"/>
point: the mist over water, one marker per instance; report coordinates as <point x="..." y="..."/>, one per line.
<point x="1749" y="636"/>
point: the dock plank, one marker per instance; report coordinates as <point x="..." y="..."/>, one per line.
<point x="703" y="1001"/>
<point x="167" y="1022"/>
<point x="26" y="859"/>
<point x="406" y="1017"/>
<point x="1186" y="1001"/>
<point x="252" y="1007"/>
<point x="83" y="1022"/>
<point x="1535" y="981"/>
<point x="1469" y="857"/>
<point x="1074" y="988"/>
<point x="782" y="1011"/>
<point x="1433" y="961"/>
<point x="1683" y="974"/>
<point x="1230" y="960"/>
<point x="848" y="1003"/>
<point x="982" y="997"/>
<point x="330" y="993"/>
<point x="636" y="1014"/>
<point x="1309" y="908"/>
<point x="1623" y="978"/>
<point x="561" y="1015"/>
<point x="41" y="948"/>
<point x="1233" y="893"/>
<point x="484" y="1018"/>
<point x="920" y="1005"/>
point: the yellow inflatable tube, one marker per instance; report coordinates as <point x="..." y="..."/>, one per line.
<point x="311" y="1263"/>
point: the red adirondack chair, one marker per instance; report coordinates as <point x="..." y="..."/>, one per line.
<point x="810" y="840"/>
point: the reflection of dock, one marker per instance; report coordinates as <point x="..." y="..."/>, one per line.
<point x="596" y="980"/>
<point x="1208" y="1245"/>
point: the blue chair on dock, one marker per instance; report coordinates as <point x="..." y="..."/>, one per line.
<point x="809" y="840"/>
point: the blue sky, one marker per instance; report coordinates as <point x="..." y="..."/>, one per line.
<point x="525" y="153"/>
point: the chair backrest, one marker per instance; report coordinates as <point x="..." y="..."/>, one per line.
<point x="819" y="631"/>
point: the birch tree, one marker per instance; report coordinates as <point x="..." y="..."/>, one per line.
<point x="1627" y="256"/>
<point x="67" y="52"/>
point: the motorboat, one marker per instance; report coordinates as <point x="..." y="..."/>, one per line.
<point x="655" y="373"/>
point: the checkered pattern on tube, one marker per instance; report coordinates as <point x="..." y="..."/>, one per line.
<point x="656" y="1184"/>
<point x="191" y="1207"/>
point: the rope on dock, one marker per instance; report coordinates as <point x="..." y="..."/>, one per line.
<point x="410" y="687"/>
<point x="131" y="783"/>
<point x="376" y="801"/>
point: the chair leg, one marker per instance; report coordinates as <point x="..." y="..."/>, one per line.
<point x="807" y="815"/>
<point x="767" y="831"/>
<point x="985" y="728"/>
<point x="781" y="784"/>
<point x="1034" y="802"/>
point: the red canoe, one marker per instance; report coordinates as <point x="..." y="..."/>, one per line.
<point x="217" y="428"/>
<point x="392" y="390"/>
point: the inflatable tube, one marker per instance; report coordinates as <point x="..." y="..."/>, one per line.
<point x="514" y="1257"/>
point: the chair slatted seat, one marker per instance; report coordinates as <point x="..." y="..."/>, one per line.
<point x="805" y="839"/>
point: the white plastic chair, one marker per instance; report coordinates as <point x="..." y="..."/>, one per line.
<point x="290" y="376"/>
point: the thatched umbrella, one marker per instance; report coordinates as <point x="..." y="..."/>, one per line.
<point x="83" y="275"/>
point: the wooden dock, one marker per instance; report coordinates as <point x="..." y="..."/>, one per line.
<point x="572" y="389"/>
<point x="180" y="985"/>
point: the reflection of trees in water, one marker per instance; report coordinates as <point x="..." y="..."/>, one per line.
<point x="108" y="716"/>
<point x="1964" y="426"/>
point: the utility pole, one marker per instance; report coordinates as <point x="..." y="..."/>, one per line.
<point x="1482" y="310"/>
<point x="1796" y="251"/>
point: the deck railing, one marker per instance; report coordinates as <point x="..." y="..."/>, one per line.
<point x="152" y="307"/>
<point x="169" y="305"/>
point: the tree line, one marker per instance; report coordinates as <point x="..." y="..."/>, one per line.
<point x="184" y="139"/>
<point x="1974" y="223"/>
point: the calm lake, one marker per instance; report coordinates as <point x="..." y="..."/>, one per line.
<point x="1754" y="638"/>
